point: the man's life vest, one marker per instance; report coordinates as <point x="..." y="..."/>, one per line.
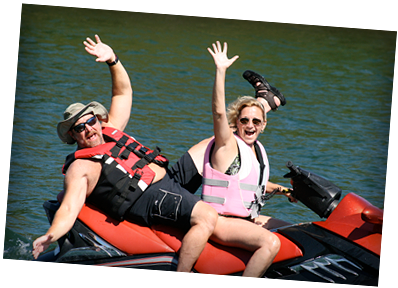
<point x="125" y="174"/>
<point x="242" y="194"/>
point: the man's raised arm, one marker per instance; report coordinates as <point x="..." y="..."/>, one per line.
<point x="122" y="93"/>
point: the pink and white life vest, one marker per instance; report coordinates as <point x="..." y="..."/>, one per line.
<point x="240" y="194"/>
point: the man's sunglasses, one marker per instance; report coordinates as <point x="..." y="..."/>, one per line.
<point x="82" y="126"/>
<point x="245" y="121"/>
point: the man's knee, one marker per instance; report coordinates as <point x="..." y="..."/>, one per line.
<point x="204" y="215"/>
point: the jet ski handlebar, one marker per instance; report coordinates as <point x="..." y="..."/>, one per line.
<point x="316" y="192"/>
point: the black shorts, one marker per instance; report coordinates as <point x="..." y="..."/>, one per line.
<point x="185" y="172"/>
<point x="165" y="202"/>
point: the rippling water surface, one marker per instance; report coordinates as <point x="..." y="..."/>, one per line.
<point x="338" y="85"/>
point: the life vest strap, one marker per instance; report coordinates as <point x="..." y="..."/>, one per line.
<point x="248" y="187"/>
<point x="119" y="145"/>
<point x="225" y="183"/>
<point x="146" y="159"/>
<point x="215" y="182"/>
<point x="135" y="180"/>
<point x="260" y="160"/>
<point x="213" y="199"/>
<point x="127" y="184"/>
<point x="121" y="186"/>
<point x="221" y="200"/>
<point x="125" y="154"/>
<point x="254" y="205"/>
<point x="142" y="153"/>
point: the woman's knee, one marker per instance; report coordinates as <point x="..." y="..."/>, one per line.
<point x="274" y="244"/>
<point x="268" y="241"/>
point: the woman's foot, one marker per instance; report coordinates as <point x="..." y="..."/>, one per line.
<point x="273" y="98"/>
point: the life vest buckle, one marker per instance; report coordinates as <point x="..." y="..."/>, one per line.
<point x="136" y="178"/>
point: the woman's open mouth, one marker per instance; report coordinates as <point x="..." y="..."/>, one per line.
<point x="250" y="133"/>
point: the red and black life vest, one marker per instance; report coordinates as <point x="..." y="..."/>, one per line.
<point x="125" y="174"/>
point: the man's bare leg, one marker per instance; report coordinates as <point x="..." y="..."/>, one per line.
<point x="203" y="222"/>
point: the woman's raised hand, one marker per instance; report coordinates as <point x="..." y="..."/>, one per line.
<point x="220" y="56"/>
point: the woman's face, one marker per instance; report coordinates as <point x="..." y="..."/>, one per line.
<point x="250" y="124"/>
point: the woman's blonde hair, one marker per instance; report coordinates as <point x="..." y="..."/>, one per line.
<point x="234" y="108"/>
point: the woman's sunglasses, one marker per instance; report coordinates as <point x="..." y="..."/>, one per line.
<point x="245" y="121"/>
<point x="82" y="126"/>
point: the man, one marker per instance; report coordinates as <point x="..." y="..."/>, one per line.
<point x="81" y="125"/>
<point x="126" y="180"/>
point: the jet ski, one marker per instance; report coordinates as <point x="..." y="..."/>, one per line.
<point x="343" y="248"/>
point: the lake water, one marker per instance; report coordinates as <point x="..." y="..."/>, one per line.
<point x="337" y="81"/>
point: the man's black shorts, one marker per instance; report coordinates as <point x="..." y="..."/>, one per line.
<point x="166" y="201"/>
<point x="185" y="172"/>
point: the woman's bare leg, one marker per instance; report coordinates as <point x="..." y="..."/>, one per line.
<point x="269" y="222"/>
<point x="244" y="234"/>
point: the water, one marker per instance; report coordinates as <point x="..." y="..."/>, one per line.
<point x="338" y="84"/>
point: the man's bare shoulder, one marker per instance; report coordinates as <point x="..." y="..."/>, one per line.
<point x="84" y="167"/>
<point x="83" y="172"/>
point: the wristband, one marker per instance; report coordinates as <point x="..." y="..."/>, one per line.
<point x="113" y="62"/>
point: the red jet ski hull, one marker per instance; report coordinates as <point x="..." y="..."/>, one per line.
<point x="345" y="248"/>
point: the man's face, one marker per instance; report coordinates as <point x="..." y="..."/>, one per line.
<point x="90" y="133"/>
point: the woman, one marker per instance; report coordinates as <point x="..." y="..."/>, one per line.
<point x="224" y="155"/>
<point x="233" y="153"/>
